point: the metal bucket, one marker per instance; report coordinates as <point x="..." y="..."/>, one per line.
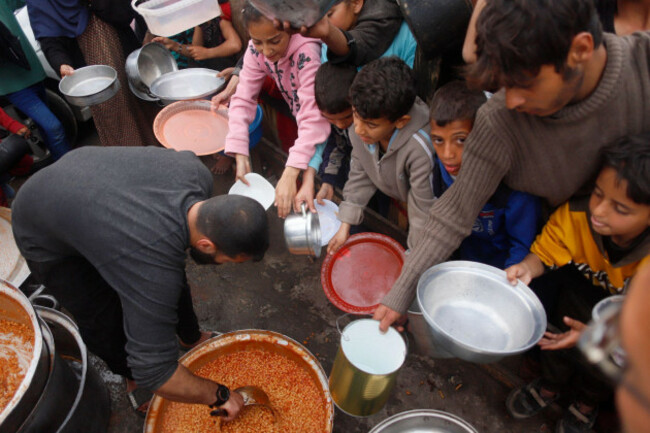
<point x="302" y="233"/>
<point x="424" y="343"/>
<point x="16" y="307"/>
<point x="365" y="368"/>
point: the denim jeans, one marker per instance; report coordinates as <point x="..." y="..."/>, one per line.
<point x="31" y="101"/>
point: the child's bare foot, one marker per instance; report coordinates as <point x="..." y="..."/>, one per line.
<point x="222" y="164"/>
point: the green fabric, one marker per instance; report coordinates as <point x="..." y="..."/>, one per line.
<point x="14" y="4"/>
<point x="12" y="77"/>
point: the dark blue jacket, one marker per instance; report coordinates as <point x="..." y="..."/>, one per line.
<point x="504" y="229"/>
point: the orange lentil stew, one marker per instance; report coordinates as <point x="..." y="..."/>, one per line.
<point x="297" y="400"/>
<point x="16" y="349"/>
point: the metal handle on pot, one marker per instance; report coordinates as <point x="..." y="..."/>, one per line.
<point x="302" y="207"/>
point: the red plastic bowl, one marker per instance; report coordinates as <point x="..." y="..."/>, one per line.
<point x="361" y="272"/>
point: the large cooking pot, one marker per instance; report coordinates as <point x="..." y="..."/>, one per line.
<point x="249" y="339"/>
<point x="90" y="85"/>
<point x="476" y="314"/>
<point x="90" y="409"/>
<point x="424" y="342"/>
<point x="16" y="307"/>
<point x="144" y="65"/>
<point x="298" y="13"/>
<point x="436" y="24"/>
<point x="424" y="421"/>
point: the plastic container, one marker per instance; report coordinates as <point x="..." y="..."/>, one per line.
<point x="170" y="17"/>
<point x="357" y="276"/>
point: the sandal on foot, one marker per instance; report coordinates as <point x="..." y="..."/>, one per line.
<point x="527" y="401"/>
<point x="140" y="400"/>
<point x="185" y="347"/>
<point x="575" y="421"/>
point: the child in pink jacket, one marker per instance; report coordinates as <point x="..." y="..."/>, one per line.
<point x="292" y="61"/>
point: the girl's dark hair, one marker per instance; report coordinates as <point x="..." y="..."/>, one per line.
<point x="630" y="157"/>
<point x="384" y="88"/>
<point x="455" y="101"/>
<point x="235" y="224"/>
<point x="332" y="87"/>
<point x="515" y="38"/>
<point x="250" y="14"/>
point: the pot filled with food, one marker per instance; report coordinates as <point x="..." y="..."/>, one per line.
<point x="285" y="371"/>
<point x="24" y="358"/>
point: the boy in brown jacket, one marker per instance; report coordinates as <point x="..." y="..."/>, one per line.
<point x="391" y="148"/>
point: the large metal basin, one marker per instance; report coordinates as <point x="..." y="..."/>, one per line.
<point x="476" y="315"/>
<point x="423" y="421"/>
<point x="243" y="340"/>
<point x="192" y="83"/>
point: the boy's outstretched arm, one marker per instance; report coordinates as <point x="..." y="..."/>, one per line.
<point x="529" y="268"/>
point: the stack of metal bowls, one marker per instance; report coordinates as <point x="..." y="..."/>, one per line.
<point x="145" y="65"/>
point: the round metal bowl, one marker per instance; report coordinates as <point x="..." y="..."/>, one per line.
<point x="90" y="85"/>
<point x="476" y="314"/>
<point x="246" y="340"/>
<point x="193" y="83"/>
<point x="423" y="421"/>
<point x="144" y="65"/>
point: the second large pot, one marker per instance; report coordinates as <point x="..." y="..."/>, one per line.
<point x="145" y="65"/>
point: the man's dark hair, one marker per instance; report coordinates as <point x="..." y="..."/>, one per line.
<point x="235" y="224"/>
<point x="455" y="101"/>
<point x="250" y="14"/>
<point x="384" y="88"/>
<point x="332" y="87"/>
<point x="630" y="157"/>
<point x="515" y="38"/>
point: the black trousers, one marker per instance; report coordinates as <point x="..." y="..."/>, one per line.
<point x="97" y="309"/>
<point x="566" y="292"/>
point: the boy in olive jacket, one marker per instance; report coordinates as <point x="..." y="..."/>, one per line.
<point x="391" y="148"/>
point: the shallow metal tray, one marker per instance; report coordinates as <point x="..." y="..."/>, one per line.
<point x="192" y="83"/>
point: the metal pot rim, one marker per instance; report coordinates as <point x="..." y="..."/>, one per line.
<point x="432" y="413"/>
<point x="16" y="295"/>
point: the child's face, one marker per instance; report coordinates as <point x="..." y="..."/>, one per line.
<point x="268" y="40"/>
<point x="448" y="141"/>
<point x="341" y="120"/>
<point x="376" y="130"/>
<point x="613" y="213"/>
<point x="344" y="14"/>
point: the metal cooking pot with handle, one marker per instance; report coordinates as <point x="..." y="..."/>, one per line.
<point x="16" y="307"/>
<point x="145" y="65"/>
<point x="302" y="233"/>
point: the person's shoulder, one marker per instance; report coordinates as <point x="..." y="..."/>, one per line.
<point x="379" y="10"/>
<point x="638" y="44"/>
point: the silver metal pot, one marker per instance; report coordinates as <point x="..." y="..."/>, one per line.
<point x="16" y="307"/>
<point x="144" y="65"/>
<point x="192" y="83"/>
<point x="298" y="13"/>
<point x="424" y="421"/>
<point x="90" y="410"/>
<point x="302" y="233"/>
<point x="90" y="85"/>
<point x="476" y="314"/>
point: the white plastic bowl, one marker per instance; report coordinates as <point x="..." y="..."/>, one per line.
<point x="259" y="190"/>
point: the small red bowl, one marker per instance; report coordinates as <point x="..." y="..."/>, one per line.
<point x="361" y="272"/>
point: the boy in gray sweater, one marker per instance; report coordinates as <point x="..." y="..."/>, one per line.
<point x="391" y="148"/>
